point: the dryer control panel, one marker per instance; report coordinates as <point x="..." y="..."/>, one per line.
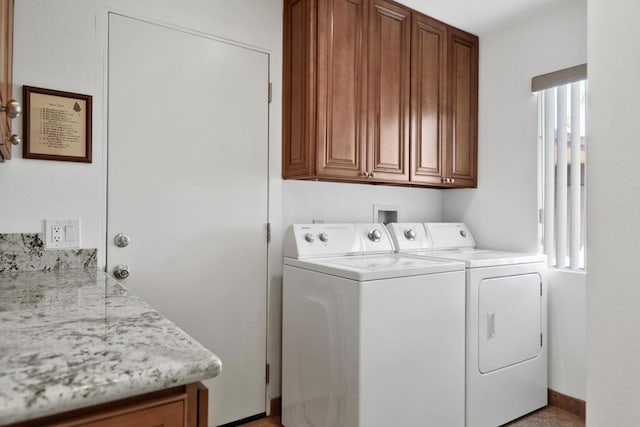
<point x="409" y="236"/>
<point x="449" y="235"/>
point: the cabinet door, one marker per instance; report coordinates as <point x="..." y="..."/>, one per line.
<point x="389" y="85"/>
<point x="168" y="415"/>
<point x="341" y="88"/>
<point x="461" y="157"/>
<point x="298" y="92"/>
<point x="428" y="97"/>
<point x="6" y="61"/>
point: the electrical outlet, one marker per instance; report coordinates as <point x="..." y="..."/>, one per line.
<point x="62" y="233"/>
<point x="57" y="233"/>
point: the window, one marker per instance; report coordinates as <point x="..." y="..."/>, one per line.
<point x="561" y="198"/>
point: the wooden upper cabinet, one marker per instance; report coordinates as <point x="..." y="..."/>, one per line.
<point x="389" y="90"/>
<point x="341" y="88"/>
<point x="376" y="92"/>
<point x="298" y="92"/>
<point x="428" y="99"/>
<point x="462" y="156"/>
<point x="6" y="65"/>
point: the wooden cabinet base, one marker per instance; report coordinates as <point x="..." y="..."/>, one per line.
<point x="184" y="406"/>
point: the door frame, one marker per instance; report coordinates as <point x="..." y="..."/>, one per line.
<point x="102" y="85"/>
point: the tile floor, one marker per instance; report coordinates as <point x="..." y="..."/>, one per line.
<point x="546" y="417"/>
<point x="549" y="417"/>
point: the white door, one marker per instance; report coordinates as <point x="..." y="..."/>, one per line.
<point x="187" y="181"/>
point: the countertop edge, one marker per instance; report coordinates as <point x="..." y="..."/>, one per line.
<point x="122" y="384"/>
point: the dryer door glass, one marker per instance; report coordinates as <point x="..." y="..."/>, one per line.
<point x="509" y="323"/>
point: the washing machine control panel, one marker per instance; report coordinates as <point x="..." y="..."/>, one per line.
<point x="321" y="240"/>
<point x="374" y="238"/>
<point x="374" y="235"/>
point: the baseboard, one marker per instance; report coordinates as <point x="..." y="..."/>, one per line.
<point x="566" y="403"/>
<point x="559" y="400"/>
<point x="276" y="406"/>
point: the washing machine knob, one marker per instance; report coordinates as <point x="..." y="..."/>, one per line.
<point x="375" y="235"/>
<point x="463" y="233"/>
<point x="324" y="237"/>
<point x="309" y="238"/>
<point x="410" y="234"/>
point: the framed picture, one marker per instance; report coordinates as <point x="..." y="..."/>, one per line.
<point x="56" y="125"/>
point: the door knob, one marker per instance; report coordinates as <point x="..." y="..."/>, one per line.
<point x="13" y="109"/>
<point x="122" y="240"/>
<point x="14" y="139"/>
<point x="121" y="271"/>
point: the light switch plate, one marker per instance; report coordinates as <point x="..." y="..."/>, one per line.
<point x="62" y="233"/>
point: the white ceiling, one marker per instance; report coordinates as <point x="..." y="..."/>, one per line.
<point x="478" y="16"/>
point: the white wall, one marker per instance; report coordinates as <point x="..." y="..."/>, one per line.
<point x="502" y="212"/>
<point x="613" y="204"/>
<point x="305" y="201"/>
<point x="54" y="49"/>
<point x="567" y="302"/>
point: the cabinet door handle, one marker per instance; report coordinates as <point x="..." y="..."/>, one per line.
<point x="364" y="174"/>
<point x="452" y="180"/>
<point x="371" y="175"/>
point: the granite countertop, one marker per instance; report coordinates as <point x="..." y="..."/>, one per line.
<point x="76" y="338"/>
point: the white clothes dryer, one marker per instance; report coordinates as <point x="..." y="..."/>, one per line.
<point x="371" y="338"/>
<point x="506" y="320"/>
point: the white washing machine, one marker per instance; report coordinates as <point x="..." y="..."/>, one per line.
<point x="506" y="320"/>
<point x="371" y="338"/>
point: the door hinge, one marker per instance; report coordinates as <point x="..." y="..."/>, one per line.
<point x="270" y="92"/>
<point x="267" y="370"/>
<point x="540" y="289"/>
<point x="268" y="232"/>
<point x="540" y="342"/>
<point x="540" y="216"/>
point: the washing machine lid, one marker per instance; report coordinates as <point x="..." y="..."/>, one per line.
<point x="375" y="267"/>
<point x="477" y="258"/>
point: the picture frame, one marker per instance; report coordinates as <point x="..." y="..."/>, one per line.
<point x="57" y="125"/>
